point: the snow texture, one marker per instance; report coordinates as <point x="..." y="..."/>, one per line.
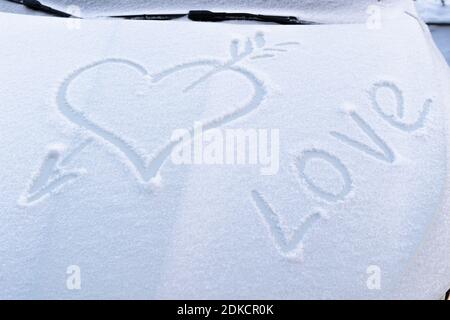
<point x="88" y="112"/>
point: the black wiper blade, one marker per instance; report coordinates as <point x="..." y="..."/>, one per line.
<point x="194" y="15"/>
<point x="151" y="16"/>
<point x="36" y="5"/>
<point x="210" y="16"/>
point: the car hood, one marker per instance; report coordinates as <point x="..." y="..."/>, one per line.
<point x="92" y="112"/>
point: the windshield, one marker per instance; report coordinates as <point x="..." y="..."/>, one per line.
<point x="324" y="11"/>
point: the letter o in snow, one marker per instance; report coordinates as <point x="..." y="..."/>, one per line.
<point x="339" y="167"/>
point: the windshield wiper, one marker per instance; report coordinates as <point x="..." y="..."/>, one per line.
<point x="210" y="16"/>
<point x="36" y="5"/>
<point x="194" y="15"/>
<point x="169" y="16"/>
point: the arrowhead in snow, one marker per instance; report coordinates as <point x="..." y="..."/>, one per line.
<point x="53" y="173"/>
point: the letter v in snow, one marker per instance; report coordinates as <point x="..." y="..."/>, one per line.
<point x="290" y="245"/>
<point x="53" y="173"/>
<point x="386" y="153"/>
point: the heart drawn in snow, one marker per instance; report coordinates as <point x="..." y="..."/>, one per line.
<point x="148" y="169"/>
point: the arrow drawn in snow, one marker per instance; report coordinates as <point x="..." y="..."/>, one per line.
<point x="53" y="173"/>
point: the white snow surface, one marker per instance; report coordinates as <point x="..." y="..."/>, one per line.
<point x="87" y="114"/>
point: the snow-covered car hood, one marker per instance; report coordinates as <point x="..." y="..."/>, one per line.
<point x="89" y="112"/>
